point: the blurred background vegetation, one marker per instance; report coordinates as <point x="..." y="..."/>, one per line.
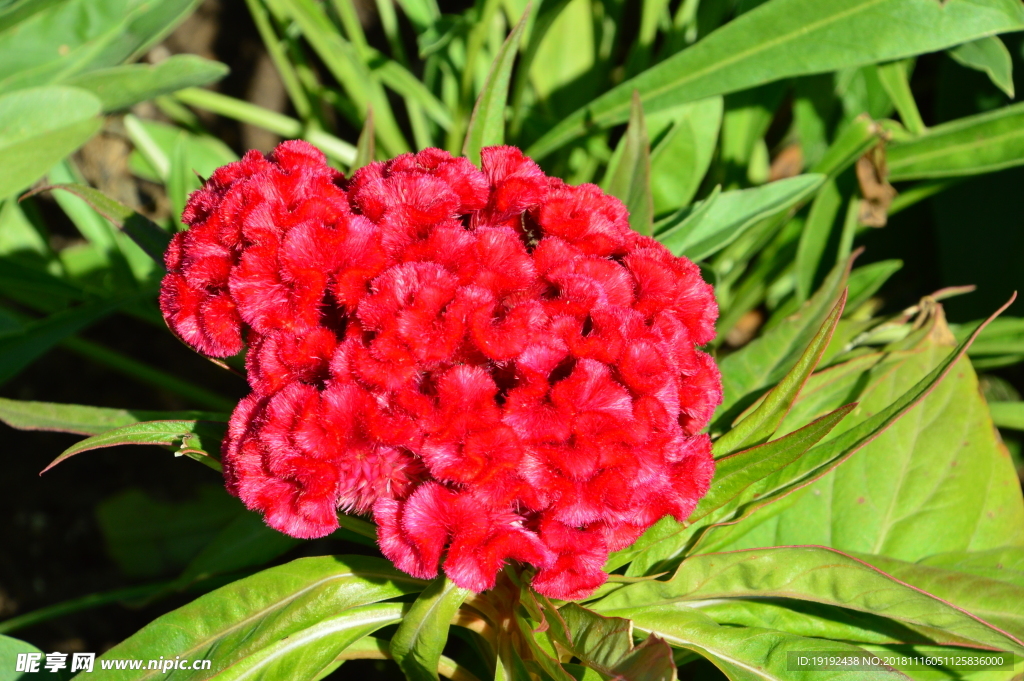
<point x="78" y="321"/>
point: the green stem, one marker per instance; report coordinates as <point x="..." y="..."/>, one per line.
<point x="920" y="192"/>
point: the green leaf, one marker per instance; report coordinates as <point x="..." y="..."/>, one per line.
<point x="948" y="484"/>
<point x="288" y="622"/>
<point x="764" y="361"/>
<point x="742" y="653"/>
<point x="366" y="148"/>
<point x="605" y="644"/>
<point x="683" y="151"/>
<point x="10" y="648"/>
<point x="998" y="602"/>
<point x="143" y="231"/>
<point x="786" y="38"/>
<point x="418" y="643"/>
<point x="1007" y="414"/>
<point x="740" y="479"/>
<point x="85" y="420"/>
<point x="733" y="213"/>
<point x="895" y="79"/>
<point x="861" y="134"/>
<point x="629" y="173"/>
<point x="66" y="38"/>
<point x="972" y="145"/>
<point x="990" y="56"/>
<point x="122" y="86"/>
<point x="1005" y="564"/>
<point x="39" y="127"/>
<point x="199" y="440"/>
<point x="814" y="238"/>
<point x="21" y="347"/>
<point x="487" y="125"/>
<point x="764" y="421"/>
<point x="811" y="573"/>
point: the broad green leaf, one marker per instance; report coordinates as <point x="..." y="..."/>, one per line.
<point x="287" y="622"/>
<point x="972" y="145"/>
<point x="1004" y="564"/>
<point x="742" y="653"/>
<point x="812" y="573"/>
<point x="809" y="618"/>
<point x="990" y="56"/>
<point x="629" y="174"/>
<point x="764" y="361"/>
<point x="24" y="241"/>
<point x="786" y="38"/>
<point x="865" y="281"/>
<point x="758" y="426"/>
<point x="605" y="644"/>
<point x="21" y="347"/>
<point x="199" y="440"/>
<point x="420" y="638"/>
<point x="149" y="538"/>
<point x="181" y="179"/>
<point x="733" y="213"/>
<point x="85" y="420"/>
<point x="72" y="37"/>
<point x="373" y="648"/>
<point x="686" y="137"/>
<point x="1007" y="414"/>
<point x="122" y="86"/>
<point x="39" y="127"/>
<point x="998" y="602"/>
<point x="563" y="53"/>
<point x="949" y="484"/>
<point x="740" y="479"/>
<point x="10" y="648"/>
<point x="143" y="231"/>
<point x="487" y="125"/>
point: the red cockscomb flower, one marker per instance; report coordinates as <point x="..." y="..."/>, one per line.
<point x="489" y="361"/>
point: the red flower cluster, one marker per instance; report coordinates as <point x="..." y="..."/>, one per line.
<point x="491" y="362"/>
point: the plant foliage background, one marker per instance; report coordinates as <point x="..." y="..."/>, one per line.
<point x="768" y="141"/>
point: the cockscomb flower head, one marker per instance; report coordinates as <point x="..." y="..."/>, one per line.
<point x="489" y="361"/>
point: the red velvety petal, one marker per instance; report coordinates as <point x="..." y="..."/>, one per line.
<point x="586" y="218"/>
<point x="576" y="571"/>
<point x="412" y="533"/>
<point x="700" y="394"/>
<point x="517" y="183"/>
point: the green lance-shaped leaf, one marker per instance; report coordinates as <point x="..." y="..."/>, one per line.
<point x="990" y="56"/>
<point x="997" y="601"/>
<point x="86" y="420"/>
<point x="366" y="147"/>
<point x="418" y="643"/>
<point x="814" y="238"/>
<point x="143" y="231"/>
<point x="972" y="145"/>
<point x="856" y="138"/>
<point x="288" y="622"/>
<point x="22" y="346"/>
<point x="740" y="479"/>
<point x="764" y="361"/>
<point x="785" y="38"/>
<point x="904" y="519"/>
<point x="683" y="152"/>
<point x="813" y="573"/>
<point x="199" y="440"/>
<point x="605" y="644"/>
<point x="744" y="653"/>
<point x="699" y="233"/>
<point x="90" y="36"/>
<point x="761" y="424"/>
<point x="895" y="79"/>
<point x="1004" y="564"/>
<point x="122" y="86"/>
<point x="39" y="127"/>
<point x="629" y="174"/>
<point x="487" y="124"/>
